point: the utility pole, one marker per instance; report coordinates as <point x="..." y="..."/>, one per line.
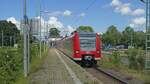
<point x="2" y="38"/>
<point x="10" y="40"/>
<point x="28" y="44"/>
<point x="47" y="35"/>
<point x="147" y="61"/>
<point x="26" y="40"/>
<point x="14" y="40"/>
<point x="44" y="36"/>
<point x="45" y="32"/>
<point x="147" y="44"/>
<point x="131" y="39"/>
<point x="40" y="31"/>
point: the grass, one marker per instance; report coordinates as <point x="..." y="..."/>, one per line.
<point x="138" y="74"/>
<point x="11" y="64"/>
<point x="35" y="65"/>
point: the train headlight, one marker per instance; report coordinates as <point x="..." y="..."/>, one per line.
<point x="77" y="51"/>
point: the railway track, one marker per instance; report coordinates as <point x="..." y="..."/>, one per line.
<point x="104" y="76"/>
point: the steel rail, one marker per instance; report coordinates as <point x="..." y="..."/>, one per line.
<point x="102" y="71"/>
<point x="110" y="75"/>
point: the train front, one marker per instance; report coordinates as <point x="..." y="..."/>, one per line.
<point x="90" y="48"/>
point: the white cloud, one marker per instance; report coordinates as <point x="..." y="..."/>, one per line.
<point x="55" y="13"/>
<point x="115" y="3"/>
<point x="67" y="13"/>
<point x="53" y="22"/>
<point x="14" y="21"/>
<point x="67" y="30"/>
<point x="138" y="11"/>
<point x="132" y="25"/>
<point x="125" y="8"/>
<point x="82" y="14"/>
<point x="60" y="13"/>
<point x="139" y="21"/>
<point x="70" y="29"/>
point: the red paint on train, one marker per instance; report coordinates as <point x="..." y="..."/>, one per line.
<point x="72" y="47"/>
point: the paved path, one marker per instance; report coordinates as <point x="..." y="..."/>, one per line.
<point x="52" y="71"/>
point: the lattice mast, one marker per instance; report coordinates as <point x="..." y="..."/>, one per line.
<point x="147" y="59"/>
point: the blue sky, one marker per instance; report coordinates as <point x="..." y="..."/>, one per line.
<point x="100" y="15"/>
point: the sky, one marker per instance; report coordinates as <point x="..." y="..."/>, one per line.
<point x="69" y="14"/>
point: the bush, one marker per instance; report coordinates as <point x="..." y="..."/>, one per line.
<point x="116" y="58"/>
<point x="34" y="51"/>
<point x="11" y="62"/>
<point x="136" y="58"/>
<point x="140" y="59"/>
<point x="10" y="65"/>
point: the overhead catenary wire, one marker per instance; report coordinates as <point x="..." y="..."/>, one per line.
<point x="86" y="9"/>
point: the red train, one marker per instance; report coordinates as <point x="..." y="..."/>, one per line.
<point x="82" y="47"/>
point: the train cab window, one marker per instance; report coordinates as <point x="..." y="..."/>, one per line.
<point x="87" y="42"/>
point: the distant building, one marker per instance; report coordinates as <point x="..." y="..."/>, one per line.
<point x="34" y="26"/>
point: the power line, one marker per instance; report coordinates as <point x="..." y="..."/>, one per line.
<point x="86" y="9"/>
<point x="93" y="2"/>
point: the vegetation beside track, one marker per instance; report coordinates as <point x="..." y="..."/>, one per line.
<point x="135" y="69"/>
<point x="11" y="63"/>
<point x="35" y="64"/>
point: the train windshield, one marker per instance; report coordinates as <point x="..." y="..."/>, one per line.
<point x="87" y="41"/>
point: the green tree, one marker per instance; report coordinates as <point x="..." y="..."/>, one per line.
<point x="112" y="36"/>
<point x="85" y="28"/>
<point x="139" y="39"/>
<point x="54" y="33"/>
<point x="136" y="37"/>
<point x="10" y="32"/>
<point x="127" y="36"/>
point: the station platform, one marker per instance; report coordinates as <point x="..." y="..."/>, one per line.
<point x="59" y="69"/>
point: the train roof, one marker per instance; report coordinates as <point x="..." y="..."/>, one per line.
<point x="81" y="33"/>
<point x="86" y="34"/>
